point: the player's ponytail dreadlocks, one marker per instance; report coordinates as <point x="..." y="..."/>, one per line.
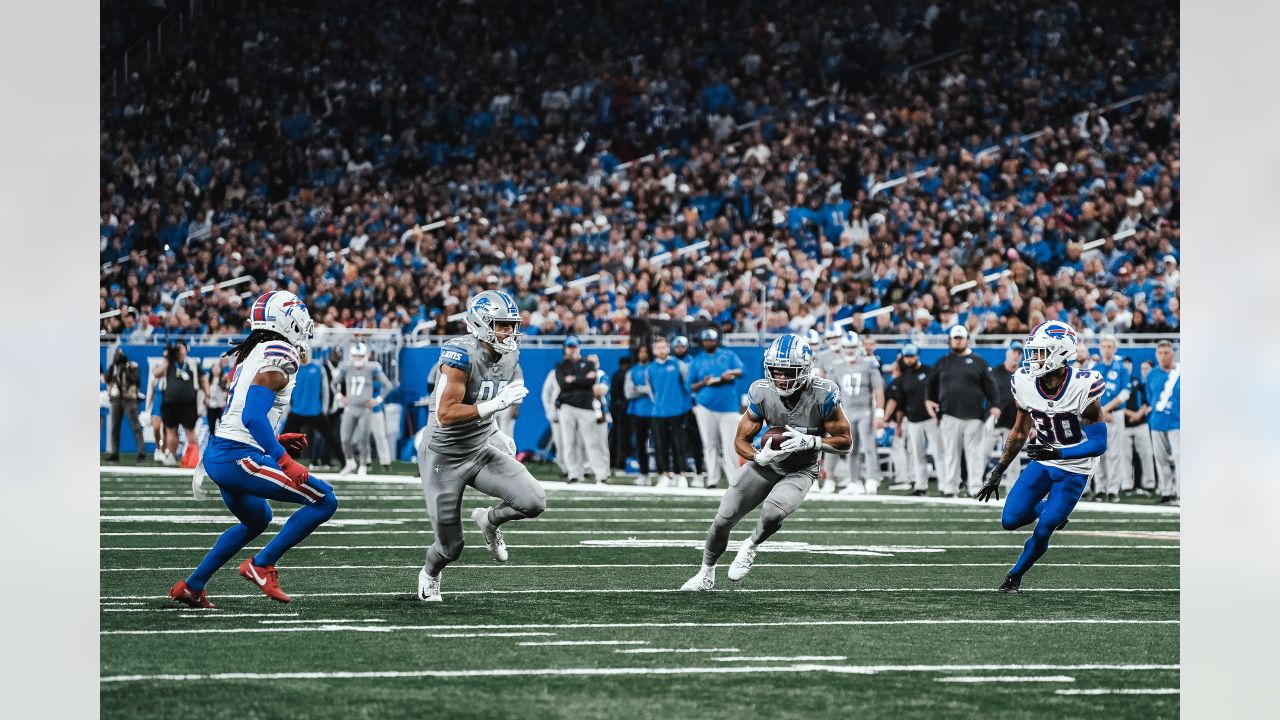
<point x="242" y="349"/>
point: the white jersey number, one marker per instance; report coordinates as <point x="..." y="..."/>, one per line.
<point x="355" y="384"/>
<point x="851" y="383"/>
<point x="1061" y="429"/>
<point x="488" y="389"/>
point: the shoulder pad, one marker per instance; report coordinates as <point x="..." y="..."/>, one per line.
<point x="1096" y="383"/>
<point x="281" y="355"/>
<point x="455" y="354"/>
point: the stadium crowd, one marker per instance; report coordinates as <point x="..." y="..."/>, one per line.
<point x="560" y="145"/>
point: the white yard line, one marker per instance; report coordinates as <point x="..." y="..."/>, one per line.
<point x="319" y="620"/>
<point x="598" y="626"/>
<point x="781" y="658"/>
<point x="587" y="672"/>
<point x="563" y="566"/>
<point x="658" y="651"/>
<point x="1006" y="679"/>
<point x="543" y="643"/>
<point x="1118" y="691"/>
<point x="615" y="490"/>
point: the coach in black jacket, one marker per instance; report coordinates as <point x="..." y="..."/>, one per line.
<point x="960" y="384"/>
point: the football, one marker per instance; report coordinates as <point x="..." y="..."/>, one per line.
<point x="773" y="438"/>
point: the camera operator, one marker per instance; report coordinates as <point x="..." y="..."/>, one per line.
<point x="180" y="374"/>
<point x="124" y="381"/>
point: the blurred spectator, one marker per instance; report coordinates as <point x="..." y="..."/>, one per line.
<point x="123" y="382"/>
<point x="248" y="152"/>
<point x="1164" y="388"/>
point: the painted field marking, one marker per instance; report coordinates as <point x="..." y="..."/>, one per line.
<point x="601" y="626"/>
<point x="655" y="651"/>
<point x="123" y="474"/>
<point x="319" y="620"/>
<point x="1005" y="679"/>
<point x="1118" y="691"/>
<point x="541" y="643"/>
<point x="781" y="658"/>
<point x="579" y="566"/>
<point x="587" y="672"/>
<point x="205" y="613"/>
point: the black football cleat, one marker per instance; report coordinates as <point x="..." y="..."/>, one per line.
<point x="1011" y="584"/>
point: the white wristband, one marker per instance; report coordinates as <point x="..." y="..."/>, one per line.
<point x="488" y="408"/>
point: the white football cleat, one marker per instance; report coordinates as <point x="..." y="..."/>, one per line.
<point x="158" y="455"/>
<point x="853" y="488"/>
<point x="348" y="467"/>
<point x="643" y="480"/>
<point x="742" y="561"/>
<point x="170" y="460"/>
<point x="680" y="481"/>
<point x="872" y="486"/>
<point x="363" y="470"/>
<point x="493" y="541"/>
<point x="429" y="587"/>
<point x="701" y="582"/>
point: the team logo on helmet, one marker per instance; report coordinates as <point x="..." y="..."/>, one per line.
<point x="788" y="364"/>
<point x="485" y="311"/>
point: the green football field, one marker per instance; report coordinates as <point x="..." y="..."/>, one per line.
<point x="881" y="607"/>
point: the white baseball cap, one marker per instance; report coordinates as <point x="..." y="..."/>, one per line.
<point x="958" y="331"/>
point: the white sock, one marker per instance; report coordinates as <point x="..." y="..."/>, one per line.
<point x="709" y="570"/>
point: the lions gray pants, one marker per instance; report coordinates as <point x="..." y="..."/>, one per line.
<point x="354" y="432"/>
<point x="756" y="485"/>
<point x="492" y="472"/>
<point x="1110" y="475"/>
<point x="922" y="435"/>
<point x="967" y="437"/>
<point x="1137" y="439"/>
<point x="864" y="450"/>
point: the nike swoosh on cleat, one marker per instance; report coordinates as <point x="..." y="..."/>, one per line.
<point x="262" y="582"/>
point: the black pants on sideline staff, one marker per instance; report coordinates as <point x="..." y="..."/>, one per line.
<point x="693" y="443"/>
<point x="669" y="441"/>
<point x="313" y="425"/>
<point x="642" y="427"/>
<point x="619" y="437"/>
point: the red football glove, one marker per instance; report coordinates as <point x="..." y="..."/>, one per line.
<point x="293" y="443"/>
<point x="296" y="473"/>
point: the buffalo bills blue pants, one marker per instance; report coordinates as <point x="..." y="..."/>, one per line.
<point x="1045" y="493"/>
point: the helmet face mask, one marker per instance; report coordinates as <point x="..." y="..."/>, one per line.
<point x="359" y="354"/>
<point x="850" y="346"/>
<point x="1050" y="346"/>
<point x="490" y="311"/>
<point x="788" y="364"/>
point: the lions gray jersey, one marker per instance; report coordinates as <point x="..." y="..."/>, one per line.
<point x="810" y="408"/>
<point x="357" y="382"/>
<point x="485" y="378"/>
<point x="858" y="381"/>
<point x="824" y="359"/>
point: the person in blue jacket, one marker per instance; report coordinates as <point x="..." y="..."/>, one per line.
<point x="1164" y="386"/>
<point x="713" y="379"/>
<point x="306" y="410"/>
<point x="668" y="384"/>
<point x="640" y="408"/>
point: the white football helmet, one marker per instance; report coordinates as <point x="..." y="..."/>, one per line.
<point x="812" y="337"/>
<point x="359" y="354"/>
<point x="283" y="313"/>
<point x="485" y="311"/>
<point x="788" y="364"/>
<point x="832" y="336"/>
<point x="850" y="346"/>
<point x="1050" y="345"/>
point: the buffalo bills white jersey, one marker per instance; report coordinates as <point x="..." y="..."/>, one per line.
<point x="1056" y="416"/>
<point x="271" y="356"/>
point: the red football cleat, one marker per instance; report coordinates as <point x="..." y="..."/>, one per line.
<point x="191" y="598"/>
<point x="264" y="578"/>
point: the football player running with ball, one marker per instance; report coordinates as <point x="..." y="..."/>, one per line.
<point x="778" y="475"/>
<point x="463" y="446"/>
<point x="1061" y="405"/>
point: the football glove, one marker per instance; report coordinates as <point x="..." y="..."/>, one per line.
<point x="294" y="443"/>
<point x="197" y="483"/>
<point x="1038" y="451"/>
<point x="296" y="473"/>
<point x="769" y="456"/>
<point x="992" y="486"/>
<point x="799" y="440"/>
<point x="503" y="443"/>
